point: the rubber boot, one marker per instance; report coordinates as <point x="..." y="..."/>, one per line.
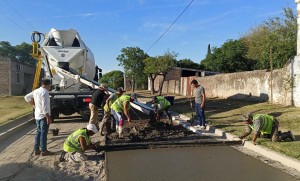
<point x="121" y="132"/>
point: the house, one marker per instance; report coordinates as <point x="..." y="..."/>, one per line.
<point x="16" y="78"/>
<point x="172" y="83"/>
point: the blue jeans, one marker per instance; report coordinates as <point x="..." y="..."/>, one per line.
<point x="200" y="114"/>
<point x="119" y="117"/>
<point x="41" y="135"/>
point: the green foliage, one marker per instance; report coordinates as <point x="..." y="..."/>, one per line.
<point x="277" y="35"/>
<point x="131" y="59"/>
<point x="150" y="69"/>
<point x="187" y="63"/>
<point x="113" y="79"/>
<point x="230" y="57"/>
<point x="21" y="53"/>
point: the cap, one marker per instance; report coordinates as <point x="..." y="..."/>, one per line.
<point x="133" y="95"/>
<point x="153" y="99"/>
<point x="103" y="86"/>
<point x="247" y="116"/>
<point x="92" y="127"/>
<point x="120" y="89"/>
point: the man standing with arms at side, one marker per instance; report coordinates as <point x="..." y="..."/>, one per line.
<point x="199" y="103"/>
<point x="97" y="100"/>
<point x="40" y="101"/>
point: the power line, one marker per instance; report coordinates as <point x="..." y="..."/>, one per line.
<point x="19" y="14"/>
<point x="14" y="22"/>
<point x="170" y="25"/>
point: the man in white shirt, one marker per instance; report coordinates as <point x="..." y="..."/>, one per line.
<point x="40" y="101"/>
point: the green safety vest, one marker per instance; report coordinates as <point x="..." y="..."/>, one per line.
<point x="118" y="105"/>
<point x="267" y="123"/>
<point x="72" y="143"/>
<point x="164" y="102"/>
<point x="111" y="102"/>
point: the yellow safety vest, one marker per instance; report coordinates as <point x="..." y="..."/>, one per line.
<point x="267" y="123"/>
<point x="118" y="105"/>
<point x="72" y="143"/>
<point x="115" y="97"/>
<point x="165" y="103"/>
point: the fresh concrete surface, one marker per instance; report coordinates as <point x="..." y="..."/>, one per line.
<point x="275" y="156"/>
<point x="197" y="163"/>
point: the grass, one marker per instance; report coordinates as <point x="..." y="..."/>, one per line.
<point x="227" y="115"/>
<point x="12" y="107"/>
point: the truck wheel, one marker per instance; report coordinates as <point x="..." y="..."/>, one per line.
<point x="54" y="114"/>
<point x="85" y="117"/>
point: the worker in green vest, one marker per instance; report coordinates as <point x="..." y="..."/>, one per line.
<point x="120" y="111"/>
<point x="264" y="125"/>
<point x="107" y="112"/>
<point x="78" y="142"/>
<point x="160" y="105"/>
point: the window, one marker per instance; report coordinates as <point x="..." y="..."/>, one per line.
<point x="18" y="78"/>
<point x="19" y="67"/>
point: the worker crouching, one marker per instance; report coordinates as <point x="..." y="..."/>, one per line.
<point x="120" y="110"/>
<point x="77" y="143"/>
<point x="266" y="126"/>
<point x="160" y="105"/>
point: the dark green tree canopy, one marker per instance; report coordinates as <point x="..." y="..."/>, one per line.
<point x="187" y="63"/>
<point x="113" y="79"/>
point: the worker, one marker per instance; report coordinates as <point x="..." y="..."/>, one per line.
<point x="200" y="100"/>
<point x="107" y="112"/>
<point x="77" y="143"/>
<point x="266" y="125"/>
<point x="160" y="105"/>
<point x="40" y="101"/>
<point x="120" y="111"/>
<point x="96" y="102"/>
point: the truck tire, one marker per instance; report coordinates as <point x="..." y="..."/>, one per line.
<point x="85" y="117"/>
<point x="54" y="114"/>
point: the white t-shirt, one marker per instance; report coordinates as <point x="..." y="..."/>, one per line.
<point x="41" y="100"/>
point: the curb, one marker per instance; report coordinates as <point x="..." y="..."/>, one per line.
<point x="275" y="156"/>
<point x="10" y="131"/>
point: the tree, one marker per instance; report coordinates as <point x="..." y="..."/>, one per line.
<point x="230" y="57"/>
<point x="131" y="60"/>
<point x="151" y="69"/>
<point x="113" y="79"/>
<point x="23" y="54"/>
<point x="278" y="34"/>
<point x="6" y="50"/>
<point x="165" y="64"/>
<point x="187" y="63"/>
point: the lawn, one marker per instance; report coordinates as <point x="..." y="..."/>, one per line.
<point x="12" y="107"/>
<point x="227" y="115"/>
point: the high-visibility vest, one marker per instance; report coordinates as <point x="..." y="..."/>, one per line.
<point x="164" y="102"/>
<point x="72" y="143"/>
<point x="267" y="123"/>
<point x="115" y="97"/>
<point x="118" y="105"/>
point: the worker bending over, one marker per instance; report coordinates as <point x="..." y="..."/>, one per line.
<point x="120" y="111"/>
<point x="107" y="112"/>
<point x="265" y="125"/>
<point x="77" y="143"/>
<point x="160" y="105"/>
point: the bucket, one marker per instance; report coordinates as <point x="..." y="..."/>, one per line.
<point x="55" y="132"/>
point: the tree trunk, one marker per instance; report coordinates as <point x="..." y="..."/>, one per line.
<point x="132" y="84"/>
<point x="152" y="84"/>
<point x="161" y="85"/>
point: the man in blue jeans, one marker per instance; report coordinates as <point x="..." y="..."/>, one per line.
<point x="199" y="94"/>
<point x="40" y="101"/>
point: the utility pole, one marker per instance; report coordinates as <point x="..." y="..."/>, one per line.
<point x="271" y="76"/>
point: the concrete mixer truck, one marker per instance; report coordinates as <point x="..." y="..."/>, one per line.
<point x="70" y="64"/>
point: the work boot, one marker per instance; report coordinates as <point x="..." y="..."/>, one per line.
<point x="47" y="153"/>
<point x="120" y="131"/>
<point x="37" y="152"/>
<point x="293" y="138"/>
<point x="286" y="136"/>
<point x="62" y="156"/>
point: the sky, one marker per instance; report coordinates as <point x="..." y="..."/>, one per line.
<point x="107" y="26"/>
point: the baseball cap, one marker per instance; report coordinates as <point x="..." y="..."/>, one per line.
<point x="92" y="127"/>
<point x="247" y="116"/>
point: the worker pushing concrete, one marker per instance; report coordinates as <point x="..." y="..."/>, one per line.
<point x="266" y="126"/>
<point x="77" y="143"/>
<point x="120" y="111"/>
<point x="107" y="111"/>
<point x="160" y="105"/>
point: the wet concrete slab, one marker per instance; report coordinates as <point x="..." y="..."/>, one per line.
<point x="193" y="163"/>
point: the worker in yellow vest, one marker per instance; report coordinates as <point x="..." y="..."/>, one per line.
<point x="120" y="111"/>
<point x="77" y="143"/>
<point x="266" y="126"/>
<point x="107" y="112"/>
<point x="160" y="105"/>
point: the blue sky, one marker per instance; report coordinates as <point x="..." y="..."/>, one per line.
<point x="107" y="26"/>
